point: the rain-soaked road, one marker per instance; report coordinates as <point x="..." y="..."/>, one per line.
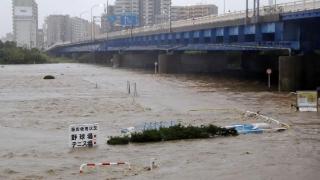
<point x="35" y="115"/>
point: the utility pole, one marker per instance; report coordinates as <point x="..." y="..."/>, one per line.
<point x="258" y="8"/>
<point x="254" y="7"/>
<point x="170" y="22"/>
<point x="131" y="19"/>
<point x="247" y="11"/>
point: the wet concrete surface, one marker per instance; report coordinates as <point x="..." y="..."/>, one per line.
<point x="35" y="115"/>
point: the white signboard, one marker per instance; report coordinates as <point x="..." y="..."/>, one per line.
<point x="23" y="11"/>
<point x="307" y="100"/>
<point x="83" y="135"/>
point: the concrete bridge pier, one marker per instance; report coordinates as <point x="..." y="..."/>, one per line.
<point x="196" y="62"/>
<point x="290" y="73"/>
<point x="299" y="72"/>
<point x="102" y="58"/>
<point x="116" y="60"/>
<point x="143" y="60"/>
<point x="255" y="65"/>
<point x="204" y="62"/>
<point x="311" y="71"/>
<point x="135" y="60"/>
<point x="169" y="63"/>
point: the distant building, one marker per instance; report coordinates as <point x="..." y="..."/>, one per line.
<point x="40" y="39"/>
<point x="150" y="12"/>
<point x="63" y="28"/>
<point x="154" y="11"/>
<point x="126" y="11"/>
<point x="127" y="7"/>
<point x="189" y="12"/>
<point x="81" y="29"/>
<point x="145" y="12"/>
<point x="58" y="29"/>
<point x="107" y="24"/>
<point x="25" y="22"/>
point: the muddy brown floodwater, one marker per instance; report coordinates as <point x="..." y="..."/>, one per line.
<point x="35" y="115"/>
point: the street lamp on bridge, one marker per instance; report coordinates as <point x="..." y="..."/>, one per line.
<point x="92" y="21"/>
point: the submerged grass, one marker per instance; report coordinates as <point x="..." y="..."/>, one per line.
<point x="177" y="132"/>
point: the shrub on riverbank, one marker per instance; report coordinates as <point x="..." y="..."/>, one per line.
<point x="11" y="54"/>
<point x="177" y="132"/>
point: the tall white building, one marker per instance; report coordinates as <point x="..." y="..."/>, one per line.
<point x="154" y="11"/>
<point x="194" y="11"/>
<point x="81" y="29"/>
<point x="127" y="7"/>
<point x="57" y="29"/>
<point x="25" y="22"/>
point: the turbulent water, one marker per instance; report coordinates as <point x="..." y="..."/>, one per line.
<point x="35" y="115"/>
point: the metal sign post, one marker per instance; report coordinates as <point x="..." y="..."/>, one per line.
<point x="156" y="68"/>
<point x="269" y="72"/>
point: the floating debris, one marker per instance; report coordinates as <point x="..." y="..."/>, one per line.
<point x="47" y="77"/>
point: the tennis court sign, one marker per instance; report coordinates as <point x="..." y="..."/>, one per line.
<point x="307" y="101"/>
<point x="83" y="135"/>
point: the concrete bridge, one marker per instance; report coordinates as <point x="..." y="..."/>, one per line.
<point x="283" y="37"/>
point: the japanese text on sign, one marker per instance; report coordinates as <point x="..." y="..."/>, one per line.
<point x="307" y="100"/>
<point x="83" y="135"/>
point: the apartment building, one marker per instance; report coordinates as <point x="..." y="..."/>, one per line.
<point x="25" y="22"/>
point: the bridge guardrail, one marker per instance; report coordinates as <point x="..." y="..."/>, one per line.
<point x="295" y="6"/>
<point x="279" y="8"/>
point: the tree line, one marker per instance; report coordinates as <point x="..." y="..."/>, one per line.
<point x="11" y="54"/>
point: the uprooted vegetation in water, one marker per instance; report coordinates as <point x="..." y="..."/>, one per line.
<point x="177" y="132"/>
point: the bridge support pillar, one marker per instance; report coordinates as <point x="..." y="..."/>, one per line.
<point x="139" y="60"/>
<point x="169" y="63"/>
<point x="290" y="73"/>
<point x="116" y="60"/>
<point x="311" y="71"/>
<point x="102" y="58"/>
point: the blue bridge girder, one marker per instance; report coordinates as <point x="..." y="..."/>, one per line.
<point x="292" y="31"/>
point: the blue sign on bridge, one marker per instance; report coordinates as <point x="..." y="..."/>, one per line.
<point x="129" y="20"/>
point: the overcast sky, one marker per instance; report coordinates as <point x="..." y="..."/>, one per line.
<point x="75" y="7"/>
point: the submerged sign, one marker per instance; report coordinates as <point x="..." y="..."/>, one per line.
<point x="307" y="101"/>
<point x="83" y="135"/>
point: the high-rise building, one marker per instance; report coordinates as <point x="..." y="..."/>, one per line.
<point x="127" y="7"/>
<point x="58" y="29"/>
<point x="151" y="12"/>
<point x="25" y="22"/>
<point x="107" y="20"/>
<point x="154" y="11"/>
<point x="81" y="29"/>
<point x="62" y="28"/>
<point x="189" y="12"/>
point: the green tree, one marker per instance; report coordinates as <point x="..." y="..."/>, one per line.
<point x="1" y="44"/>
<point x="10" y="44"/>
<point x="13" y="56"/>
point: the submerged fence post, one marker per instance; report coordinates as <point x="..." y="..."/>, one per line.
<point x="135" y="93"/>
<point x="128" y="87"/>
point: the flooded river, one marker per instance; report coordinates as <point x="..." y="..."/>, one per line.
<point x="35" y="115"/>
